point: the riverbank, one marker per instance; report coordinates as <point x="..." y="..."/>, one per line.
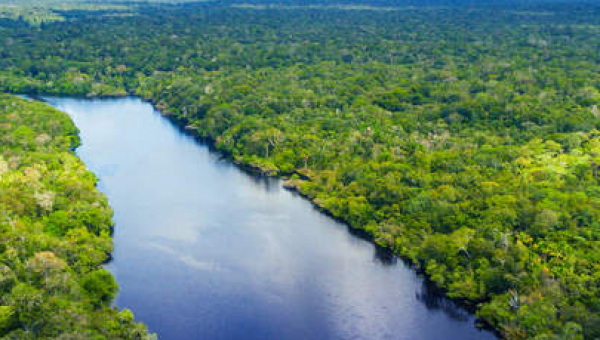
<point x="293" y="182"/>
<point x="468" y="151"/>
<point x="191" y="218"/>
<point x="56" y="232"/>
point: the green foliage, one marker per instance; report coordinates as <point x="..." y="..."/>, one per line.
<point x="100" y="285"/>
<point x="54" y="233"/>
<point x="464" y="139"/>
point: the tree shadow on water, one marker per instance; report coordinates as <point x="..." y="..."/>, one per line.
<point x="434" y="300"/>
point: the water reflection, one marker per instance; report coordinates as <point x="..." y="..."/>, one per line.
<point x="204" y="250"/>
<point x="384" y="256"/>
<point x="431" y="297"/>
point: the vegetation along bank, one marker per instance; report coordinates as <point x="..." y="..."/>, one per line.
<point x="465" y="139"/>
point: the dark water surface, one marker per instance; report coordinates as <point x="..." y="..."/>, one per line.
<point x="206" y="251"/>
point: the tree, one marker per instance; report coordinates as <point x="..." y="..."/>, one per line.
<point x="100" y="286"/>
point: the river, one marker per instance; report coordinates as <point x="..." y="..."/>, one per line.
<point x="204" y="250"/>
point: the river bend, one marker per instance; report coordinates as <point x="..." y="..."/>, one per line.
<point x="204" y="250"/>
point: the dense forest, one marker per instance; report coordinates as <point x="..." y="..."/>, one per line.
<point x="56" y="234"/>
<point x="464" y="138"/>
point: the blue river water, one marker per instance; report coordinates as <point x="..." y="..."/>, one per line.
<point x="204" y="250"/>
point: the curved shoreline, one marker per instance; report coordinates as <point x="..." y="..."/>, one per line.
<point x="67" y="231"/>
<point x="182" y="126"/>
<point x="356" y="231"/>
